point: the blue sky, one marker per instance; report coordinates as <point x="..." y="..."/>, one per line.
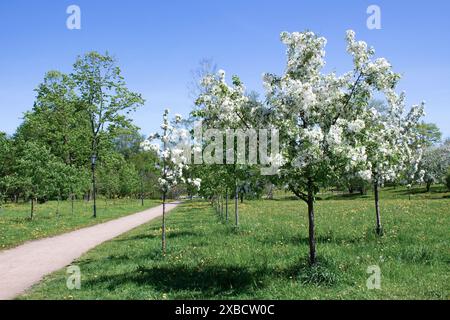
<point x="158" y="43"/>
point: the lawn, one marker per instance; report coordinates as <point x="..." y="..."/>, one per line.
<point x="266" y="258"/>
<point x="16" y="227"/>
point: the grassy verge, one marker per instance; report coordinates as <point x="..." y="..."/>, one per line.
<point x="266" y="258"/>
<point x="16" y="226"/>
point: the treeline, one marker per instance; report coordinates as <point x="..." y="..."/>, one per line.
<point x="77" y="119"/>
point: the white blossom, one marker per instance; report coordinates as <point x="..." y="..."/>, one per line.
<point x="365" y="175"/>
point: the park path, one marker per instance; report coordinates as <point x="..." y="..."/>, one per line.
<point x="26" y="265"/>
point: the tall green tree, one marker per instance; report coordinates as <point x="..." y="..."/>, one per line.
<point x="57" y="122"/>
<point x="105" y="99"/>
<point x="103" y="96"/>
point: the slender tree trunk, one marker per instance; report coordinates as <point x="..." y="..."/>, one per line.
<point x="72" y="201"/>
<point x="221" y="205"/>
<point x="270" y="193"/>
<point x="236" y="207"/>
<point x="428" y="186"/>
<point x="226" y="205"/>
<point x="377" y="207"/>
<point x="142" y="192"/>
<point x="94" y="191"/>
<point x="57" y="207"/>
<point x="32" y="208"/>
<point x="363" y="190"/>
<point x="242" y="197"/>
<point x="312" y="236"/>
<point x="164" y="225"/>
<point x="217" y="205"/>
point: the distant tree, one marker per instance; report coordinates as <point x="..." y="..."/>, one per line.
<point x="435" y="163"/>
<point x="128" y="142"/>
<point x="429" y="134"/>
<point x="61" y="178"/>
<point x="4" y="155"/>
<point x="9" y="187"/>
<point x="79" y="182"/>
<point x="129" y="180"/>
<point x="145" y="162"/>
<point x="353" y="182"/>
<point x="109" y="175"/>
<point x="38" y="173"/>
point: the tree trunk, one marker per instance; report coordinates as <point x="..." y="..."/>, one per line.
<point x="270" y="193"/>
<point x="142" y="192"/>
<point x="363" y="190"/>
<point x="72" y="201"/>
<point x="377" y="208"/>
<point x="32" y="208"/>
<point x="164" y="225"/>
<point x="218" y="205"/>
<point x="428" y="186"/>
<point x="312" y="237"/>
<point x="221" y="206"/>
<point x="236" y="208"/>
<point x="242" y="197"/>
<point x="226" y="205"/>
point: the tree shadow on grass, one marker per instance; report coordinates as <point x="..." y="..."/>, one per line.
<point x="203" y="281"/>
<point x="284" y="198"/>
<point x="434" y="190"/>
<point x="219" y="280"/>
<point x="345" y="196"/>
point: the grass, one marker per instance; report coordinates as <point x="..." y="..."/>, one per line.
<point x="266" y="258"/>
<point x="16" y="227"/>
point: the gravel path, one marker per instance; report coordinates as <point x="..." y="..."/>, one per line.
<point x="26" y="265"/>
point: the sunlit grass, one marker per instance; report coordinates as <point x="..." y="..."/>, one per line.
<point x="266" y="258"/>
<point x="16" y="226"/>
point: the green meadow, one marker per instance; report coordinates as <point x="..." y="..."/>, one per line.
<point x="266" y="257"/>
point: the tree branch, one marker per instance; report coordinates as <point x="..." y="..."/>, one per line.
<point x="352" y="92"/>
